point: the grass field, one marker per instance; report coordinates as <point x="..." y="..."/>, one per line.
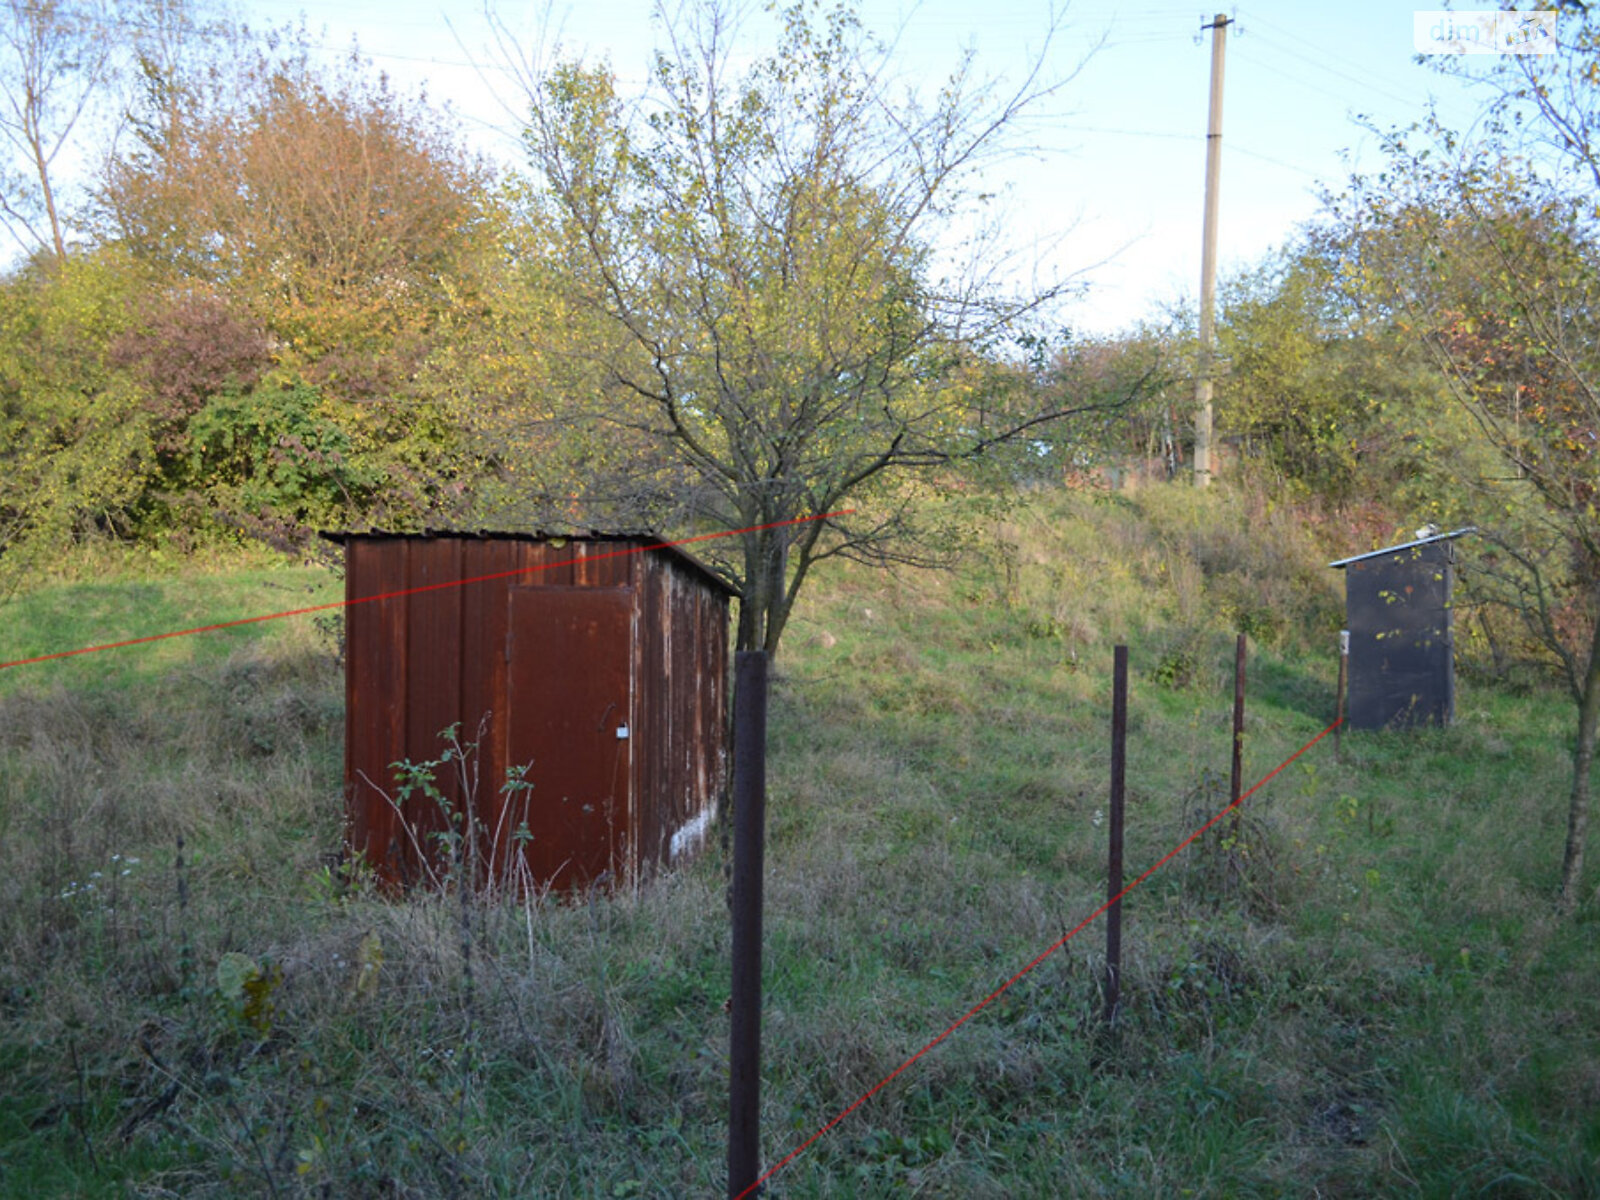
<point x="1377" y="1001"/>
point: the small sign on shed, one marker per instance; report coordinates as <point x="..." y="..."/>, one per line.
<point x="600" y="662"/>
<point x="1397" y="610"/>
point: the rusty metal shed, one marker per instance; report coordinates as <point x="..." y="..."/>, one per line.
<point x="1402" y="650"/>
<point x="599" y="660"/>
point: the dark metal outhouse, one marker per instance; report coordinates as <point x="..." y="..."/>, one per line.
<point x="1398" y="614"/>
<point x="599" y="661"/>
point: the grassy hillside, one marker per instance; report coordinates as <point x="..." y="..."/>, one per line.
<point x="1369" y="996"/>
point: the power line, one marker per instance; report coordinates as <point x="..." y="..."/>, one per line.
<point x="1298" y="80"/>
<point x="116" y="24"/>
<point x="1147" y="39"/>
<point x="1153" y="133"/>
<point x="1277" y="162"/>
<point x="1379" y="88"/>
<point x="1229" y="147"/>
<point x="1374" y="82"/>
<point x="1365" y="85"/>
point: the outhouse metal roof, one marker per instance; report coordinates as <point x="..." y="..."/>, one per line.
<point x="655" y="540"/>
<point x="1438" y="537"/>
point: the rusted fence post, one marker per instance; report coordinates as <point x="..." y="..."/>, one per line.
<point x="1236" y="777"/>
<point x="1344" y="679"/>
<point x="749" y="835"/>
<point x="1119" y="740"/>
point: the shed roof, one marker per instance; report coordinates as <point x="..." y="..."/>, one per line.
<point x="1438" y="537"/>
<point x="654" y="541"/>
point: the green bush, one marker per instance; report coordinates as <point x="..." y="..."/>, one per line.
<point x="274" y="451"/>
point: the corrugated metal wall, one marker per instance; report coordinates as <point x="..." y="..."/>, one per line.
<point x="535" y="653"/>
<point x="682" y="705"/>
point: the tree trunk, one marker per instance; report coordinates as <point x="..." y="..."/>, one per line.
<point x="779" y="597"/>
<point x="748" y="634"/>
<point x="1582" y="760"/>
<point x="764" y="603"/>
<point x="753" y="595"/>
<point x="49" y="194"/>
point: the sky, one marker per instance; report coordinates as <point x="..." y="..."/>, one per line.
<point x="1113" y="190"/>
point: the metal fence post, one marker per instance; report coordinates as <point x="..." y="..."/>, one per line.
<point x="1344" y="679"/>
<point x="1236" y="778"/>
<point x="1119" y="739"/>
<point x="749" y="834"/>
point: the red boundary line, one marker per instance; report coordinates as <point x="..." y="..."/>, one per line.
<point x="1060" y="942"/>
<point x="965" y="1017"/>
<point x="296" y="612"/>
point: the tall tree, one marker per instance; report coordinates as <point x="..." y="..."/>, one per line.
<point x="1318" y="392"/>
<point x="759" y="264"/>
<point x="343" y="215"/>
<point x="334" y="234"/>
<point x="54" y="61"/>
<point x="1133" y="377"/>
<point x="75" y="439"/>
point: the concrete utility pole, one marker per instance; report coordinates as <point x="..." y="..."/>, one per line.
<point x="1208" y="257"/>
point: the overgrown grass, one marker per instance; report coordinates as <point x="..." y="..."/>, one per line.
<point x="70" y="616"/>
<point x="1365" y="994"/>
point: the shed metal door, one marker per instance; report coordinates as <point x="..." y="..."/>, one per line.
<point x="1402" y="658"/>
<point x="568" y="650"/>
